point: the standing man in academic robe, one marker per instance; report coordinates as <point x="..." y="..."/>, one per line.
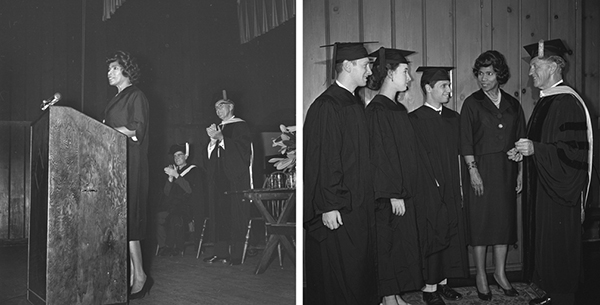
<point x="440" y="213"/>
<point x="228" y="170"/>
<point x="338" y="195"/>
<point x="556" y="176"/>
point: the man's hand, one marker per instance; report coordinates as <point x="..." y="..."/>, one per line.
<point x="514" y="155"/>
<point x="214" y="132"/>
<point x="398" y="207"/>
<point x="332" y="219"/>
<point x="171" y="171"/>
<point x="524" y="146"/>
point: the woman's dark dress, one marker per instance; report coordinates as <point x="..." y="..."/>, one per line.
<point x="129" y="108"/>
<point x="488" y="132"/>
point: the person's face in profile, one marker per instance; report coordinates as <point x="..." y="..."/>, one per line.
<point x="115" y="74"/>
<point x="401" y="77"/>
<point x="360" y="70"/>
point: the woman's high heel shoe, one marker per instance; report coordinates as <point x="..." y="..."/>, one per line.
<point x="146" y="289"/>
<point x="512" y="292"/>
<point x="484" y="296"/>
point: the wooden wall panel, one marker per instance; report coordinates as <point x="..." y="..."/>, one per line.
<point x="18" y="135"/>
<point x="505" y="40"/>
<point x="409" y="36"/>
<point x="344" y="22"/>
<point x="473" y="23"/>
<point x="377" y="24"/>
<point x="4" y="181"/>
<point x="591" y="60"/>
<point x="562" y="20"/>
<point x="534" y="26"/>
<point x="439" y="37"/>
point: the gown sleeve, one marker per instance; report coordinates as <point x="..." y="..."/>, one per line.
<point x="561" y="156"/>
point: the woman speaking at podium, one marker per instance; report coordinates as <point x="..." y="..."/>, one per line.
<point x="127" y="112"/>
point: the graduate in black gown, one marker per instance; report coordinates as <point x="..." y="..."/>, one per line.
<point x="444" y="246"/>
<point x="338" y="191"/>
<point x="394" y="158"/>
<point x="557" y="168"/>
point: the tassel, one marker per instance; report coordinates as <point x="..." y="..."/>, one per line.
<point x="541" y="48"/>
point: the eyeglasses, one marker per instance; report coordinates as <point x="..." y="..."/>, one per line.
<point x="220" y="106"/>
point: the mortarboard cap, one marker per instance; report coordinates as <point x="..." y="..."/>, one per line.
<point x="387" y="55"/>
<point x="433" y="74"/>
<point x="184" y="148"/>
<point x="547" y="48"/>
<point x="347" y="51"/>
<point x="224" y="101"/>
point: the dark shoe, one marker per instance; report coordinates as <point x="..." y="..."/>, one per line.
<point x="545" y="300"/>
<point x="251" y="252"/>
<point x="448" y="293"/>
<point x="433" y="298"/>
<point x="512" y="292"/>
<point x="235" y="262"/>
<point x="145" y="289"/>
<point x="484" y="296"/>
<point x="176" y="252"/>
<point x="215" y="259"/>
<point x="164" y="251"/>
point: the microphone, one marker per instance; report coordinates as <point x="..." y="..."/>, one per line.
<point x="51" y="101"/>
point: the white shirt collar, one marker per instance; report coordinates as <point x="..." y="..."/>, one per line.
<point x="431" y="106"/>
<point x="340" y="84"/>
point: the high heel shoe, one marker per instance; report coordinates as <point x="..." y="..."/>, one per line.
<point x="145" y="289"/>
<point x="512" y="292"/>
<point x="484" y="296"/>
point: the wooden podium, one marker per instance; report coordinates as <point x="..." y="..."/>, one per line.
<point x="78" y="223"/>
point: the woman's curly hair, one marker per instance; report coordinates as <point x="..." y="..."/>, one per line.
<point x="128" y="63"/>
<point x="497" y="61"/>
<point x="376" y="79"/>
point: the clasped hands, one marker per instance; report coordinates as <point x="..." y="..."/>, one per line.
<point x="523" y="147"/>
<point x="171" y="171"/>
<point x="214" y="132"/>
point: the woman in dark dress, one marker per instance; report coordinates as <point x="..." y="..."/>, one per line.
<point x="491" y="122"/>
<point x="127" y="112"/>
<point x="394" y="159"/>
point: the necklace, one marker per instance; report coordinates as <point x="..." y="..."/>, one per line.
<point x="496" y="100"/>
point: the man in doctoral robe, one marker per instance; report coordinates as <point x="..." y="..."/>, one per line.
<point x="338" y="195"/>
<point x="439" y="208"/>
<point x="556" y="176"/>
<point x="228" y="170"/>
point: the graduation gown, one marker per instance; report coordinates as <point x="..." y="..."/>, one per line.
<point x="339" y="263"/>
<point x="227" y="171"/>
<point x="129" y="108"/>
<point x="394" y="158"/>
<point x="554" y="177"/>
<point x="487" y="133"/>
<point x="444" y="247"/>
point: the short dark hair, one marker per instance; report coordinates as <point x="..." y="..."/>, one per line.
<point x="376" y="79"/>
<point x="497" y="61"/>
<point x="129" y="64"/>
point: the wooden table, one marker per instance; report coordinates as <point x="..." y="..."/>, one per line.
<point x="279" y="229"/>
